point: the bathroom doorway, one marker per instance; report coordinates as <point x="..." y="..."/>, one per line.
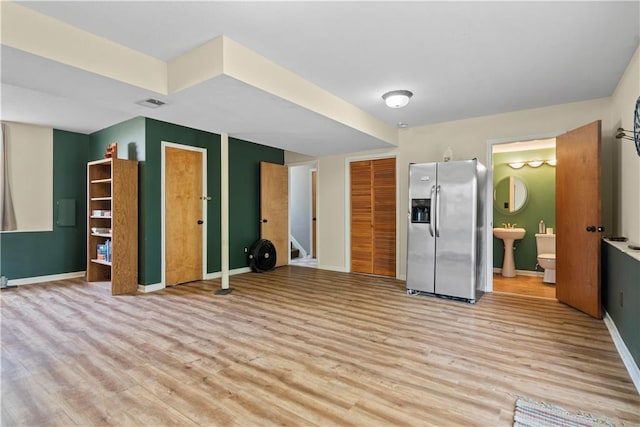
<point x="523" y="197"/>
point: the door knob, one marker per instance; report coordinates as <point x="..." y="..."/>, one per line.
<point x="200" y="222"/>
<point x="262" y="220"/>
<point x="601" y="229"/>
<point x="591" y="228"/>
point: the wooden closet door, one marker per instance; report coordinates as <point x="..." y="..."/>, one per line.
<point x="373" y="217"/>
<point x="361" y="217"/>
<point x="384" y="217"/>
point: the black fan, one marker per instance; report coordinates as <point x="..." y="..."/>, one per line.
<point x="262" y="256"/>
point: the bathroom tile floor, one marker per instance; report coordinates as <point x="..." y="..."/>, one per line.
<point x="524" y="285"/>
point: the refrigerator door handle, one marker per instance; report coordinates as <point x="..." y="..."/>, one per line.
<point x="433" y="190"/>
<point x="437" y="209"/>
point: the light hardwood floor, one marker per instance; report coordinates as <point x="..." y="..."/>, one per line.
<point x="297" y="346"/>
<point x="532" y="286"/>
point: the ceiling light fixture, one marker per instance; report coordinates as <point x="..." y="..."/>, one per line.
<point x="535" y="163"/>
<point x="552" y="162"/>
<point x="397" y="98"/>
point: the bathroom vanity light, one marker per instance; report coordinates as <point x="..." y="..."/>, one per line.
<point x="532" y="163"/>
<point x="516" y="165"/>
<point x="397" y="98"/>
<point x="535" y="163"/>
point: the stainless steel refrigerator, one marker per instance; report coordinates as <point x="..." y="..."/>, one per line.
<point x="446" y="229"/>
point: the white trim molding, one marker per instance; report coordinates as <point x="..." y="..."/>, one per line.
<point x="623" y="351"/>
<point x="43" y="279"/>
<point x="151" y="288"/>
<point x="333" y="268"/>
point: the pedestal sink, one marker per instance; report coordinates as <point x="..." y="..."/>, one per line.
<point x="508" y="236"/>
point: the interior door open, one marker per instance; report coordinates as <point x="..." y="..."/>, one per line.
<point x="274" y="208"/>
<point x="314" y="230"/>
<point x="183" y="215"/>
<point x="578" y="219"/>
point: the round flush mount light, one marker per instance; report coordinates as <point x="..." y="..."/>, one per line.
<point x="397" y="98"/>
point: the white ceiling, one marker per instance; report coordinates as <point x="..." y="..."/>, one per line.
<point x="461" y="60"/>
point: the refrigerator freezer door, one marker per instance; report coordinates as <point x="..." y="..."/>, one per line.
<point x="456" y="213"/>
<point x="420" y="243"/>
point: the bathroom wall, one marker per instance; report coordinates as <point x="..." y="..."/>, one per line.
<point x="540" y="205"/>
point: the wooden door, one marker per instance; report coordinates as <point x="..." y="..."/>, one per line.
<point x="578" y="216"/>
<point x="314" y="181"/>
<point x="384" y="217"/>
<point x="183" y="215"/>
<point x="361" y="217"/>
<point x="274" y="208"/>
<point x="373" y="216"/>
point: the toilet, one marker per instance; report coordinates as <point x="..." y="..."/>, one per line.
<point x="546" y="244"/>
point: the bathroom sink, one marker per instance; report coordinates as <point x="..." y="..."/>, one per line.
<point x="509" y="233"/>
<point x="508" y="236"/>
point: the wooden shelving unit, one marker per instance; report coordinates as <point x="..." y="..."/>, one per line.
<point x="112" y="215"/>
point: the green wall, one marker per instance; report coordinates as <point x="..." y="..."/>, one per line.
<point x="541" y="205"/>
<point x="63" y="250"/>
<point x="130" y="136"/>
<point x="621" y="295"/>
<point x="244" y="195"/>
<point x="156" y="132"/>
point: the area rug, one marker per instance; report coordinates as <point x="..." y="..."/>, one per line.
<point x="530" y="413"/>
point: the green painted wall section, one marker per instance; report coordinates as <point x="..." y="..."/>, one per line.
<point x="157" y="131"/>
<point x="621" y="295"/>
<point x="130" y="136"/>
<point x="244" y="195"/>
<point x="541" y="205"/>
<point x="62" y="250"/>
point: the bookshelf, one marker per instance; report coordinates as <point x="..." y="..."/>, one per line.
<point x="112" y="224"/>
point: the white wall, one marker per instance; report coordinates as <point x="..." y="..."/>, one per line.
<point x="626" y="162"/>
<point x="468" y="139"/>
<point x="29" y="151"/>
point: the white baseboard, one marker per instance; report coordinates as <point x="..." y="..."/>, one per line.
<point x="208" y="276"/>
<point x="233" y="272"/>
<point x="333" y="268"/>
<point x="42" y="279"/>
<point x="150" y="288"/>
<point x="522" y="272"/>
<point x="624" y="352"/>
<point x="240" y="270"/>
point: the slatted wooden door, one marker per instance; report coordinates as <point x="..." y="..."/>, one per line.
<point x="373" y="216"/>
<point x="578" y="219"/>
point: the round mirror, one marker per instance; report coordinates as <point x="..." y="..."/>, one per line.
<point x="510" y="195"/>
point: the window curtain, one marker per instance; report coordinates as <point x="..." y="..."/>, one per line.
<point x="7" y="213"/>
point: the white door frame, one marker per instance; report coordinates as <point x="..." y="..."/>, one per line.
<point x="394" y="154"/>
<point x="203" y="151"/>
<point x="313" y="165"/>
<point x="489" y="197"/>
